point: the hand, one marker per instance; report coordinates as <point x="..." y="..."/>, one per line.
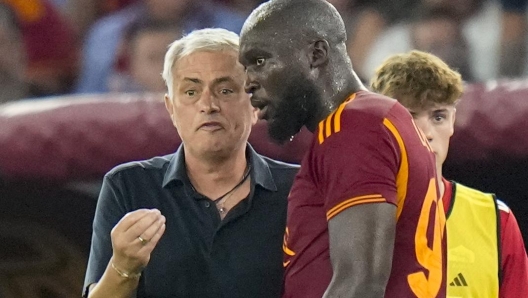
<point x="134" y="237"/>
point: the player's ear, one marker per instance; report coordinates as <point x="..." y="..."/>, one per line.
<point x="318" y="53"/>
<point x="454" y="115"/>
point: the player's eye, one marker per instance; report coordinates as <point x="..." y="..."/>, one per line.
<point x="260" y="61"/>
<point x="439" y="117"/>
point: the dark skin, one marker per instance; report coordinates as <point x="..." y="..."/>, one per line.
<point x="299" y="72"/>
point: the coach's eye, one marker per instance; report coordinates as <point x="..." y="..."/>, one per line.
<point x="190" y="93"/>
<point x="260" y="61"/>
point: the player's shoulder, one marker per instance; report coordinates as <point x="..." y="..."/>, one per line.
<point x="364" y="115"/>
<point x="368" y="104"/>
<point x="367" y="108"/>
<point x="475" y="194"/>
<point x="359" y="109"/>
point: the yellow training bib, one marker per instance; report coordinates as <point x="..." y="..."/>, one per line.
<point x="473" y="244"/>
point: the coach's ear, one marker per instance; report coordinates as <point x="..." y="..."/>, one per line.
<point x="169" y="106"/>
<point x="318" y="53"/>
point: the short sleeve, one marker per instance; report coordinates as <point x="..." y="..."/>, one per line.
<point x="358" y="164"/>
<point x="514" y="263"/>
<point x="108" y="212"/>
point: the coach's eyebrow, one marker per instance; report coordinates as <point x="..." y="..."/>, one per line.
<point x="223" y="80"/>
<point x="193" y="80"/>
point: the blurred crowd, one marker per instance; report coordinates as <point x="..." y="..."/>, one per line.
<point x="56" y="47"/>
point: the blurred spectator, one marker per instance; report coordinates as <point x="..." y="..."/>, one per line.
<point x="357" y="20"/>
<point x="100" y="49"/>
<point x="83" y="13"/>
<point x="461" y="9"/>
<point x="365" y="20"/>
<point x="480" y="25"/>
<point x="481" y="29"/>
<point x="244" y="7"/>
<point x="439" y="32"/>
<point x="141" y="55"/>
<point x="12" y="58"/>
<point x="513" y="38"/>
<point x="50" y="44"/>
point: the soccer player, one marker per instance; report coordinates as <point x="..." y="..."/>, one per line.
<point x="486" y="254"/>
<point x="363" y="218"/>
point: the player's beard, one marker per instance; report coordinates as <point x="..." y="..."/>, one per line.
<point x="295" y="107"/>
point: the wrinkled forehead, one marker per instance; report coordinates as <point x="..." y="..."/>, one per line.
<point x="255" y="44"/>
<point x="273" y="43"/>
<point x="250" y="44"/>
<point x="254" y="35"/>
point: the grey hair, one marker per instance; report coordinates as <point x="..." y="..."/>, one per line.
<point x="209" y="40"/>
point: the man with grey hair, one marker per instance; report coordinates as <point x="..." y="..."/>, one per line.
<point x="208" y="220"/>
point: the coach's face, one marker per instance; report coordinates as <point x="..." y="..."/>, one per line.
<point x="277" y="79"/>
<point x="209" y="107"/>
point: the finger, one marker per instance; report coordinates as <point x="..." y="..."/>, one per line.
<point x="152" y="230"/>
<point x="130" y="219"/>
<point x="154" y="241"/>
<point x="142" y="225"/>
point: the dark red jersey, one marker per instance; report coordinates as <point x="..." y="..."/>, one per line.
<point x="367" y="151"/>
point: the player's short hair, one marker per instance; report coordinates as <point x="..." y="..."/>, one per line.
<point x="208" y="40"/>
<point x="417" y="79"/>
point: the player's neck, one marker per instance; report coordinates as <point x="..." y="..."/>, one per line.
<point x="341" y="86"/>
<point x="441" y="185"/>
<point x="335" y="92"/>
